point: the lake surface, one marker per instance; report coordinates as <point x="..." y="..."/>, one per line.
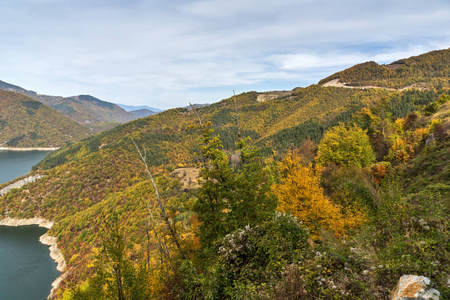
<point x="17" y="163"/>
<point x="26" y="268"/>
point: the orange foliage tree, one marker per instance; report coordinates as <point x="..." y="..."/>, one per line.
<point x="299" y="193"/>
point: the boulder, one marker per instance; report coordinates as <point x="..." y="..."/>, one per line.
<point x="412" y="287"/>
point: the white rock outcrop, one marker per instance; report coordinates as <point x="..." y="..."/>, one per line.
<point x="23" y="222"/>
<point x="57" y="256"/>
<point x="411" y="287"/>
<point x="29" y="149"/>
<point x="55" y="253"/>
<point x="19" y="184"/>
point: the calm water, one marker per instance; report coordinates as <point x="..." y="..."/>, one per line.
<point x="26" y="268"/>
<point x="17" y="163"/>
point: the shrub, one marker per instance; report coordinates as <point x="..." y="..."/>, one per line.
<point x="250" y="257"/>
<point x="346" y="145"/>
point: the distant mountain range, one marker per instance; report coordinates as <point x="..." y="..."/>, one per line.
<point x="131" y="108"/>
<point x="142" y="111"/>
<point x="96" y="114"/>
<point x="25" y="122"/>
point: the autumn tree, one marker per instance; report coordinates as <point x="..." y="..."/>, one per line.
<point x="377" y="122"/>
<point x="299" y="193"/>
<point x="116" y="277"/>
<point x="346" y="145"/>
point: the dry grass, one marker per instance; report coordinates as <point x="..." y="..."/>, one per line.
<point x="188" y="177"/>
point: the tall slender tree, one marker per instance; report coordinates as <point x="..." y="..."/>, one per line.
<point x="229" y="198"/>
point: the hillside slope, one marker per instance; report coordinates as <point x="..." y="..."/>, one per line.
<point x="25" y="122"/>
<point x="428" y="70"/>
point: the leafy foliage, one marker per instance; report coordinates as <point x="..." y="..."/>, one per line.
<point x="250" y="257"/>
<point x="299" y="193"/>
<point x="115" y="275"/>
<point x="346" y="145"/>
<point x="229" y="198"/>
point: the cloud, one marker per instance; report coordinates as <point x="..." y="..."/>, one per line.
<point x="146" y="52"/>
<point x="331" y="59"/>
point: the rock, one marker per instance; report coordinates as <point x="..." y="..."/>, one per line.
<point x="412" y="287"/>
<point x="19" y="184"/>
<point x="23" y="222"/>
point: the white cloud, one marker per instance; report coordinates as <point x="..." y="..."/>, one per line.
<point x="142" y="51"/>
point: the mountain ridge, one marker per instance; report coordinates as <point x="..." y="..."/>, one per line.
<point x="431" y="69"/>
<point x="130" y="108"/>
<point x="96" y="114"/>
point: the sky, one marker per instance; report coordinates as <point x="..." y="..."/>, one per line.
<point x="168" y="53"/>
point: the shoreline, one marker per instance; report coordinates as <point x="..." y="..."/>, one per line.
<point x="45" y="239"/>
<point x="29" y="149"/>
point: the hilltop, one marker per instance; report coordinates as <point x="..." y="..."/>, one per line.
<point x="102" y="178"/>
<point x="424" y="71"/>
<point x="25" y="122"/>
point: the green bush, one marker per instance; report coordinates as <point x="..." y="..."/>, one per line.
<point x="250" y="257"/>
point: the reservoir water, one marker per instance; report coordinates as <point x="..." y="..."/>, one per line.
<point x="17" y="163"/>
<point x="26" y="268"/>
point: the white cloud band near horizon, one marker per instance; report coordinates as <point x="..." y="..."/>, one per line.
<point x="168" y="53"/>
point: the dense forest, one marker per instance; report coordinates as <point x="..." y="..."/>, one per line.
<point x="317" y="193"/>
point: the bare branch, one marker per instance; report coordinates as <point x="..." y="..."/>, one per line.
<point x="196" y="113"/>
<point x="171" y="228"/>
<point x="237" y="117"/>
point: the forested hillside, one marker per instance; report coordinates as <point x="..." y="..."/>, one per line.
<point x="25" y="122"/>
<point x="424" y="71"/>
<point x="87" y="110"/>
<point x="316" y="193"/>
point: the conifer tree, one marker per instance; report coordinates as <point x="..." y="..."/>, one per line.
<point x="229" y="198"/>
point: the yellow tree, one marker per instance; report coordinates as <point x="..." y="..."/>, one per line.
<point x="346" y="145"/>
<point x="299" y="193"/>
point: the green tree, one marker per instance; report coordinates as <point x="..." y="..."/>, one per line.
<point x="346" y="145"/>
<point x="230" y="198"/>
